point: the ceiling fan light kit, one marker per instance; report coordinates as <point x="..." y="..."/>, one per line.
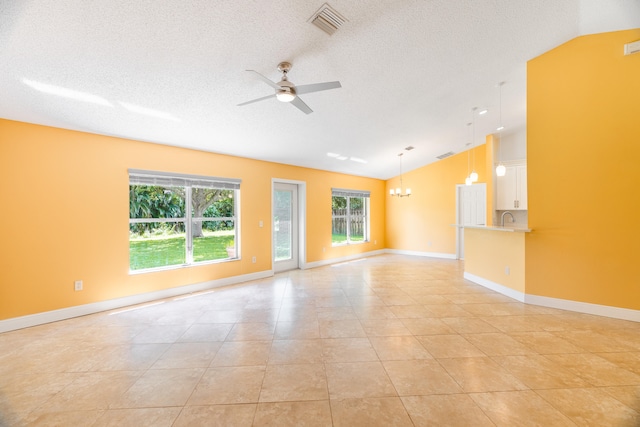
<point x="286" y="91"/>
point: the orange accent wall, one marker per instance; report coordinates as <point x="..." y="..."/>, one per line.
<point x="583" y="152"/>
<point x="66" y="208"/>
<point x="422" y="222"/>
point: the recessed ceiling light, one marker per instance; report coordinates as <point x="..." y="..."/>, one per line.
<point x="332" y="154"/>
<point x="357" y="159"/>
<point x="342" y="157"/>
<point x="67" y="93"/>
<point x="481" y="112"/>
<point x="500" y="128"/>
<point x="149" y="112"/>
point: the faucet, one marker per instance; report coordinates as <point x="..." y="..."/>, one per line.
<point x="502" y="218"/>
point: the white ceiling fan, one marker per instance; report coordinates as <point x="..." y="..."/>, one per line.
<point x="286" y="91"/>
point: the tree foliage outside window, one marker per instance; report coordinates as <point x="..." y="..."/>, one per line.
<point x="175" y="225"/>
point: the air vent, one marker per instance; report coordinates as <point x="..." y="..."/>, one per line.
<point x="327" y="19"/>
<point x="630" y="48"/>
<point x="445" y="155"/>
<point x="409" y="148"/>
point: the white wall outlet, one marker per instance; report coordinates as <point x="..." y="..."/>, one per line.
<point x="253" y="260"/>
<point x="429" y="243"/>
<point x="324" y="249"/>
<point x="77" y="285"/>
<point x="375" y="242"/>
<point x="260" y="224"/>
<point x="507" y="271"/>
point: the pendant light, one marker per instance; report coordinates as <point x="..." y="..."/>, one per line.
<point x="474" y="174"/>
<point x="500" y="169"/>
<point x="398" y="191"/>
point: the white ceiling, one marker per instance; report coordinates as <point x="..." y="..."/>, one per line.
<point x="411" y="71"/>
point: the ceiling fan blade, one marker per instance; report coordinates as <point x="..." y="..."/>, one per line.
<point x="300" y="105"/>
<point x="317" y="87"/>
<point x="266" y="80"/>
<point x="257" y="100"/>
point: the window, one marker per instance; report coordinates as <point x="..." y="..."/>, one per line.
<point x="349" y="216"/>
<point x="177" y="220"/>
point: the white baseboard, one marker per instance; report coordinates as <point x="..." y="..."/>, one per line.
<point x="418" y="253"/>
<point x="504" y="290"/>
<point x="562" y="304"/>
<point x="96" y="307"/>
<point x="347" y="258"/>
<point x="585" y="307"/>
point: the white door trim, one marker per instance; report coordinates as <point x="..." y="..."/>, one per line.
<point x="302" y="215"/>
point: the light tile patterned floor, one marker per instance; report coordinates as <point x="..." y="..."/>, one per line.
<point x="387" y="341"/>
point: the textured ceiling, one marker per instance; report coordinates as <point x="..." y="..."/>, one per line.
<point x="410" y="70"/>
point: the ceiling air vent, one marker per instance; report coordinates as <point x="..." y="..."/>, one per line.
<point x="327" y="19"/>
<point x="445" y="155"/>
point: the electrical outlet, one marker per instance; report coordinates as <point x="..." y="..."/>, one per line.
<point x="260" y="224"/>
<point x="77" y="285"/>
<point x="375" y="242"/>
<point x="507" y="271"/>
<point x="324" y="249"/>
<point x="253" y="260"/>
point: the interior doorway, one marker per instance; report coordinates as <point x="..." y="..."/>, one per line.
<point x="471" y="209"/>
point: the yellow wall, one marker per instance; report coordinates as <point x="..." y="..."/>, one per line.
<point x="65" y="215"/>
<point x="489" y="252"/>
<point x="426" y="217"/>
<point x="583" y="151"/>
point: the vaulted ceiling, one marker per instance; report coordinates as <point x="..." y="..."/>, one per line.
<point x="172" y="72"/>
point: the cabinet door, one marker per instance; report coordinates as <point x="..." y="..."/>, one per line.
<point x="507" y="190"/>
<point x="521" y="179"/>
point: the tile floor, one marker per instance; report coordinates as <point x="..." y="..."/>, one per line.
<point x="387" y="341"/>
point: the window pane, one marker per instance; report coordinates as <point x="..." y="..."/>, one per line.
<point x="282" y="224"/>
<point x="339" y="220"/>
<point x="356" y="219"/>
<point x="149" y="201"/>
<point x="217" y="240"/>
<point x="163" y="246"/>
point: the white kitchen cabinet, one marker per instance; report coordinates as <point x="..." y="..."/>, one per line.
<point x="512" y="189"/>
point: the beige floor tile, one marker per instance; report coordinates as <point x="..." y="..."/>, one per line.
<point x="252" y="331"/>
<point x="480" y="374"/>
<point x="538" y="372"/>
<point x="442" y="346"/>
<point x="467" y="325"/>
<point x="496" y="309"/>
<point x="384" y="327"/>
<point x="445" y="410"/>
<point x="625" y="360"/>
<point x="336" y="350"/>
<point x="629" y="395"/>
<point x="206" y="332"/>
<point x="497" y="344"/>
<point x="341" y="329"/>
<point x="410" y="311"/>
<point x="228" y="385"/>
<point x="216" y="416"/>
<point x="596" y="370"/>
<point x="420" y="377"/>
<point x="543" y="342"/>
<point x="293" y="414"/>
<point x="399" y="348"/>
<point x="519" y="408"/>
<point x="357" y="380"/>
<point x="336" y="314"/>
<point x="294" y="383"/>
<point x="66" y="418"/>
<point x="188" y="355"/>
<point x="138" y="417"/>
<point x="373" y="312"/>
<point x="160" y="387"/>
<point x="295" y="352"/>
<point x="369" y="412"/>
<point x="298" y="330"/>
<point x="446" y="310"/>
<point x="427" y="326"/>
<point x="129" y="357"/>
<point x="591" y="407"/>
<point x="242" y="353"/>
<point x="157" y="334"/>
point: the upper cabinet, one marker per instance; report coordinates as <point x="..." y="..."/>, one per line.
<point x="512" y="188"/>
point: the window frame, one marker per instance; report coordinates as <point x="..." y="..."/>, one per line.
<point x="187" y="183"/>
<point x="348" y="194"/>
